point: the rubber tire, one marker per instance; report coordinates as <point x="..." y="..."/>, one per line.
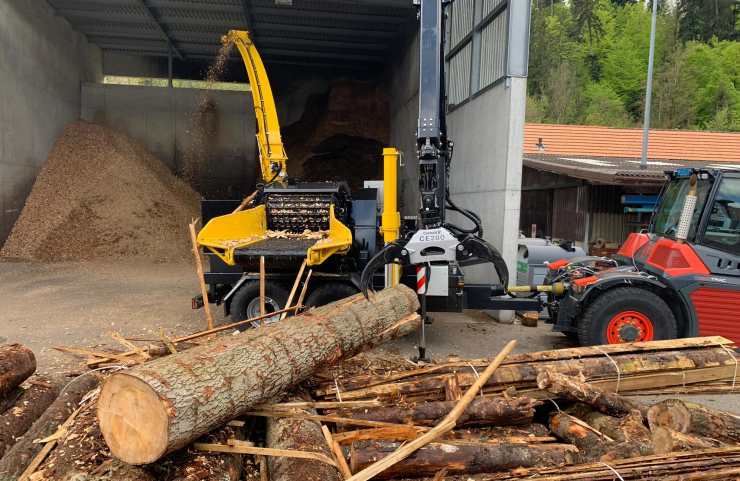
<point x="330" y="292"/>
<point x="593" y="323"/>
<point x="251" y="290"/>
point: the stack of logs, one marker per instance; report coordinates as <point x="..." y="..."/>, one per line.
<point x="293" y="401"/>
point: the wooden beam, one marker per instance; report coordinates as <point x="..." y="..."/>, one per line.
<point x="223" y="448"/>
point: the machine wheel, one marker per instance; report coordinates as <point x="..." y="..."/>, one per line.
<point x="246" y="302"/>
<point x="626" y="314"/>
<point x="330" y="292"/>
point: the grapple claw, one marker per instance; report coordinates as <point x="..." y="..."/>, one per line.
<point x="394" y="253"/>
<point x="476" y="247"/>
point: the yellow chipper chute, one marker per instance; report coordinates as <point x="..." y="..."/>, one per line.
<point x="237" y="238"/>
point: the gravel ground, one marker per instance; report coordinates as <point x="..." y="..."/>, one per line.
<point x="75" y="304"/>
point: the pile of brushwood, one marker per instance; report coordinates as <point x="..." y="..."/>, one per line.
<point x="300" y="399"/>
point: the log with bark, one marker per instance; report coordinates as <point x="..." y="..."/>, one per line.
<point x="459" y="458"/>
<point x="8" y="401"/>
<point x="163" y="405"/>
<point x="627" y="429"/>
<point x="666" y="441"/>
<point x="301" y="435"/>
<point x="17" y="363"/>
<point x="18" y="457"/>
<point x="694" y="419"/>
<point x="593" y="444"/>
<point x="26" y="410"/>
<point x="484" y="411"/>
<point x="572" y="389"/>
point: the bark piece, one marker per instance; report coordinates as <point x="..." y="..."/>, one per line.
<point x="452" y="389"/>
<point x="463" y="458"/>
<point x="189" y="464"/>
<point x="572" y="389"/>
<point x="483" y="411"/>
<point x="26" y="410"/>
<point x="669" y="441"/>
<point x="300" y="435"/>
<point x="17" y="363"/>
<point x="18" y="457"/>
<point x="161" y="406"/>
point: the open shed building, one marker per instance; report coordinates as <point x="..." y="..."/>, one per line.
<point x="337" y="67"/>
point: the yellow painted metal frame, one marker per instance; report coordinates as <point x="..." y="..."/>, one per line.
<point x="269" y="141"/>
<point x="221" y="235"/>
<point x="391" y="220"/>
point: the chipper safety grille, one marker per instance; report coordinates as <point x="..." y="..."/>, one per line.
<point x="298" y="212"/>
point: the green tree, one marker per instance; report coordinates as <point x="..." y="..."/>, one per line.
<point x="562" y="94"/>
<point x="603" y="107"/>
<point x="586" y="18"/>
<point x="674" y="106"/>
<point x="626" y="73"/>
<point x="704" y="19"/>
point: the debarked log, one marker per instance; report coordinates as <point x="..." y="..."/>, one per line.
<point x="163" y="405"/>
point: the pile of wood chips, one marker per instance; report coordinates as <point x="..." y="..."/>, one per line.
<point x="99" y="195"/>
<point x="551" y="415"/>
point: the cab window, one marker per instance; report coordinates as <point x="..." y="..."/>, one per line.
<point x="671" y="206"/>
<point x="723" y="228"/>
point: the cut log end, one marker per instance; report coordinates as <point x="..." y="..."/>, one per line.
<point x="133" y="412"/>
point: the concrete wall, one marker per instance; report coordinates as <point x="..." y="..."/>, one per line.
<point x="206" y="135"/>
<point x="42" y="62"/>
<point x="488" y="132"/>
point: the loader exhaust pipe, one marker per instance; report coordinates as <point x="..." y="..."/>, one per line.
<point x="684" y="223"/>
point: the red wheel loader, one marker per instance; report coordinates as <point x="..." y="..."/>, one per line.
<point x="681" y="278"/>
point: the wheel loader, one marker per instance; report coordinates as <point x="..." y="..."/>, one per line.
<point x="680" y="278"/>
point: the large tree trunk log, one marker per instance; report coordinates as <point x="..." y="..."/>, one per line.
<point x="574" y="390"/>
<point x="18" y="457"/>
<point x="460" y="458"/>
<point x="694" y="419"/>
<point x="485" y="411"/>
<point x="629" y="429"/>
<point x="301" y="435"/>
<point x="669" y="441"/>
<point x="18" y="419"/>
<point x="17" y="363"/>
<point x="161" y="406"/>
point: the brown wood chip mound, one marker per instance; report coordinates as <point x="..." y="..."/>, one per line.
<point x="102" y="195"/>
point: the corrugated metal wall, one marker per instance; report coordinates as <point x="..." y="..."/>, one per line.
<point x="493" y="51"/>
<point x="569" y="204"/>
<point x="459" y="89"/>
<point x="535" y="209"/>
<point x="489" y="5"/>
<point x="462" y="20"/>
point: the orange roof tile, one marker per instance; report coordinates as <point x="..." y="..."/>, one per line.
<point x="580" y="140"/>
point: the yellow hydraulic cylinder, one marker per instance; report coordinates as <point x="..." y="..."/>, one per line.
<point x="556" y="288"/>
<point x="391" y="220"/>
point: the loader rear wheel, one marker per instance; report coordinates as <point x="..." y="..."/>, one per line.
<point x="626" y="314"/>
<point x="246" y="302"/>
<point x="330" y="292"/>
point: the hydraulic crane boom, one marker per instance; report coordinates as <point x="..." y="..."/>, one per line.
<point x="270" y="144"/>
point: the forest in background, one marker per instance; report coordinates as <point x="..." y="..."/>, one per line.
<point x="588" y="63"/>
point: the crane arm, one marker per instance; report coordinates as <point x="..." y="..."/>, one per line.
<point x="271" y="152"/>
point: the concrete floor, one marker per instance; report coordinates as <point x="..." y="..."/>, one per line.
<point x="75" y="304"/>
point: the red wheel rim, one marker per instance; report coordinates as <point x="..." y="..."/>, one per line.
<point x="629" y="320"/>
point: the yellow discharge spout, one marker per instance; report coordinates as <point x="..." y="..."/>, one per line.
<point x="270" y="143"/>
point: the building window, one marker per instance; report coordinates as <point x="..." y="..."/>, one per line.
<point x="462" y="21"/>
<point x="459" y="72"/>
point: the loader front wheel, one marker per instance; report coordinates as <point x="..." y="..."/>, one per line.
<point x="626" y="314"/>
<point x="246" y="303"/>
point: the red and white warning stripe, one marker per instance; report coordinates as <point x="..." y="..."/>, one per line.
<point x="421" y="280"/>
